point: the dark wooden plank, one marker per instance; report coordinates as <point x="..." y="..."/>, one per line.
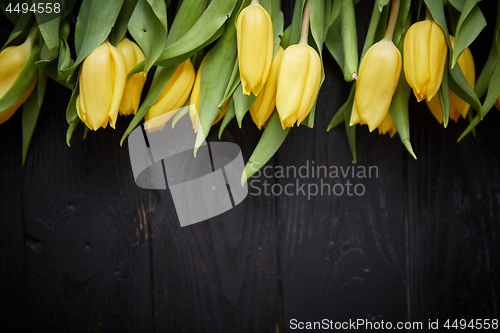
<point x="454" y="210"/>
<point x="218" y="275"/>
<point x="86" y="222"/>
<point x="12" y="242"/>
<point x="342" y="256"/>
<point x="12" y="260"/>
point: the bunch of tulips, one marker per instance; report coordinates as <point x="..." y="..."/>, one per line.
<point x="227" y="58"/>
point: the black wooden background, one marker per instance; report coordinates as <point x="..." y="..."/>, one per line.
<point x="83" y="249"/>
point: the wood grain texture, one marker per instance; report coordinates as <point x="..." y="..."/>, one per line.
<point x="219" y="275"/>
<point x="12" y="241"/>
<point x="83" y="249"/>
<point x="86" y="223"/>
<point x="454" y="210"/>
<point x="343" y="256"/>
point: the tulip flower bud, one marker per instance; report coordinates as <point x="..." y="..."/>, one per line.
<point x="254" y="32"/>
<point x="425" y="50"/>
<point x="298" y="83"/>
<point x="378" y="77"/>
<point x="18" y="74"/>
<point x="458" y="107"/>
<point x="101" y="81"/>
<point x="176" y="91"/>
<point x="265" y="103"/>
<point x="387" y="125"/>
<point x="132" y="55"/>
<point x="194" y="107"/>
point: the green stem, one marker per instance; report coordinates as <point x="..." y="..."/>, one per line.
<point x="305" y="24"/>
<point x="392" y="20"/>
<point x="428" y="15"/>
<point x="350" y="40"/>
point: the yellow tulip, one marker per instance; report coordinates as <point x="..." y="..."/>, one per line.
<point x="425" y="50"/>
<point x="195" y="102"/>
<point x="387" y="125"/>
<point x="265" y="103"/>
<point x="299" y="77"/>
<point x="458" y="107"/>
<point x="254" y="32"/>
<point x="102" y="81"/>
<point x="378" y="77"/>
<point x="132" y="55"/>
<point x="175" y="93"/>
<point x="18" y="75"/>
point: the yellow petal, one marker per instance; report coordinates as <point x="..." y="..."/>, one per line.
<point x="132" y="55"/>
<point x="311" y="87"/>
<point x="96" y="87"/>
<point x="292" y="76"/>
<point x="7" y="113"/>
<point x="378" y="77"/>
<point x="11" y="63"/>
<point x="265" y="103"/>
<point x="176" y="92"/>
<point x="435" y="106"/>
<point x="438" y="51"/>
<point x="119" y="77"/>
<point x="255" y="47"/>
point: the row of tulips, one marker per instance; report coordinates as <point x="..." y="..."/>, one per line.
<point x="254" y="65"/>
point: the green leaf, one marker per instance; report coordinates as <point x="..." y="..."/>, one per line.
<point x="181" y="113"/>
<point x="350" y="40"/>
<point x="471" y="127"/>
<point x="317" y="21"/>
<point x="71" y="112"/>
<point x="268" y="145"/>
<point x="470" y="24"/>
<point x="334" y="43"/>
<point x="242" y="103"/>
<point x="444" y="96"/>
<point x="372" y="30"/>
<point x="95" y="20"/>
<point x="230" y="113"/>
<point x="31" y="110"/>
<point x="402" y="21"/>
<point x="160" y="79"/>
<point x="381" y="4"/>
<point x="351" y="130"/>
<point x="71" y="129"/>
<point x="148" y="31"/>
<point x="278" y="23"/>
<point x="492" y="94"/>
<point x="484" y="78"/>
<point x="121" y="25"/>
<point x="399" y="112"/>
<point x="189" y="12"/>
<point x="215" y="74"/>
<point x="460" y="86"/>
<point x="50" y="32"/>
<point x="26" y="76"/>
<point x="20" y="31"/>
<point x="339" y="116"/>
<point x="458" y="4"/>
<point x="296" y="26"/>
<point x="437" y="10"/>
<point x="233" y="83"/>
<point x="207" y="26"/>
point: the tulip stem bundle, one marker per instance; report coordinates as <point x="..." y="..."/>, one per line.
<point x="253" y="64"/>
<point x="392" y="20"/>
<point x="305" y="23"/>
